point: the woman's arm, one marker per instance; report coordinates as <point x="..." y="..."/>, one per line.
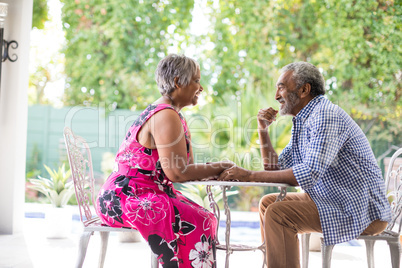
<point x="191" y="154"/>
<point x="276" y="176"/>
<point x="168" y="135"/>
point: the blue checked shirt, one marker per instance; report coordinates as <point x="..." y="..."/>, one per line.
<point x="333" y="162"/>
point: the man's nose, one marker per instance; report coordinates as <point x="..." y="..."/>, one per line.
<point x="277" y="96"/>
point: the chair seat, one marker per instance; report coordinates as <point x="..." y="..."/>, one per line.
<point x="97" y="225"/>
<point x="235" y="247"/>
<point x="386" y="235"/>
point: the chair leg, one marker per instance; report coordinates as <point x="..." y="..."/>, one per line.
<point x="104" y="239"/>
<point x="370" y="253"/>
<point x="305" y="249"/>
<point x="154" y="260"/>
<point x="326" y="254"/>
<point x="395" y="249"/>
<point x="82" y="248"/>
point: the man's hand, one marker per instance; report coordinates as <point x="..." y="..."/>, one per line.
<point x="235" y="173"/>
<point x="266" y="117"/>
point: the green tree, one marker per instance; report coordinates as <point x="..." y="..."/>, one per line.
<point x="113" y="48"/>
<point x="40" y="14"/>
<point x="355" y="43"/>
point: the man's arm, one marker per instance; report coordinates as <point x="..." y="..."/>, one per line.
<point x="269" y="157"/>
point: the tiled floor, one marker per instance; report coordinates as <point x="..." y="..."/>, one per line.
<point x="33" y="249"/>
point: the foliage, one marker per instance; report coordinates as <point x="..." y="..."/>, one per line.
<point x="355" y="43"/>
<point x="198" y="194"/>
<point x="33" y="163"/>
<point x="113" y="47"/>
<point x="38" y="81"/>
<point x="40" y="14"/>
<point x="57" y="188"/>
<point x="46" y="77"/>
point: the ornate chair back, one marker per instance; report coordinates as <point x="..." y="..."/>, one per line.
<point x="393" y="182"/>
<point x="79" y="157"/>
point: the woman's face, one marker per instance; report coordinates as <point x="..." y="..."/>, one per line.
<point x="189" y="94"/>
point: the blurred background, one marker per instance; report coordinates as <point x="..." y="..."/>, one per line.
<point x="92" y="68"/>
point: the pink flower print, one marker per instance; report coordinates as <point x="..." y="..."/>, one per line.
<point x="127" y="155"/>
<point x="202" y="256"/>
<point x="208" y="218"/>
<point x="146" y="206"/>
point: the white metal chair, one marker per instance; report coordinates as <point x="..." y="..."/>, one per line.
<point x="393" y="183"/>
<point x="79" y="156"/>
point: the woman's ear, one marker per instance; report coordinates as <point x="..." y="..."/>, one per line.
<point x="176" y="82"/>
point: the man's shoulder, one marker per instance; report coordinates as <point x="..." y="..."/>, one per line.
<point x="326" y="108"/>
<point x="328" y="113"/>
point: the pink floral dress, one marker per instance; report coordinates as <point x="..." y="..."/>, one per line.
<point x="139" y="195"/>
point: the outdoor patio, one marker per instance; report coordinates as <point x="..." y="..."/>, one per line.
<point x="33" y="249"/>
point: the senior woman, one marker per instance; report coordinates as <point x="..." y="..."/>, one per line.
<point x="155" y="153"/>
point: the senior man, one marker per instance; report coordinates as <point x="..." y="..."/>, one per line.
<point x="329" y="157"/>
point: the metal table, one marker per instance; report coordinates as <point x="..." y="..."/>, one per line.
<point x="226" y="185"/>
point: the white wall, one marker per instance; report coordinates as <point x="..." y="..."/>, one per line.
<point x="13" y="117"/>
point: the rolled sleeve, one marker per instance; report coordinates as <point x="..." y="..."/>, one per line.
<point x="285" y="158"/>
<point x="302" y="175"/>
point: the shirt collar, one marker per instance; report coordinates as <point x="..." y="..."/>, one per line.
<point x="305" y="112"/>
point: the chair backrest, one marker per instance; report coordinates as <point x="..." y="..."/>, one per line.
<point x="79" y="157"/>
<point x="393" y="182"/>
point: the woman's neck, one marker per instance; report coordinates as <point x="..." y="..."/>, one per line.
<point x="166" y="99"/>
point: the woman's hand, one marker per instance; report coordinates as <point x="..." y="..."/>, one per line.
<point x="235" y="173"/>
<point x="265" y="117"/>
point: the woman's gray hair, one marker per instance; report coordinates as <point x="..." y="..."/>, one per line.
<point x="173" y="66"/>
<point x="303" y="73"/>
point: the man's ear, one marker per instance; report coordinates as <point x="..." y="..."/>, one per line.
<point x="176" y="82"/>
<point x="305" y="90"/>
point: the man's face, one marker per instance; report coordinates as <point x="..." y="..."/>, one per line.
<point x="287" y="94"/>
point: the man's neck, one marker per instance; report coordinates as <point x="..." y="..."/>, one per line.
<point x="303" y="103"/>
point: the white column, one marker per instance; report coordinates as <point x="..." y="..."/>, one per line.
<point x="13" y="117"/>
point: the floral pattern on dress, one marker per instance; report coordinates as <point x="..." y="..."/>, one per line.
<point x="203" y="212"/>
<point x="166" y="251"/>
<point x="110" y="205"/>
<point x="144" y="115"/>
<point x="124" y="182"/>
<point x="202" y="255"/>
<point x="146" y="207"/>
<point x="181" y="228"/>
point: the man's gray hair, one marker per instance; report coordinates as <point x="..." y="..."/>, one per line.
<point x="173" y="66"/>
<point x="303" y="73"/>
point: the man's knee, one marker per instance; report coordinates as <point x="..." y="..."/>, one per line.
<point x="267" y="200"/>
<point x="274" y="213"/>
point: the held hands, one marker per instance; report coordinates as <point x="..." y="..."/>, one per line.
<point x="235" y="173"/>
<point x="225" y="164"/>
<point x="266" y="117"/>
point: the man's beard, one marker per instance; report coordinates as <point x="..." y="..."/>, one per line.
<point x="290" y="102"/>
